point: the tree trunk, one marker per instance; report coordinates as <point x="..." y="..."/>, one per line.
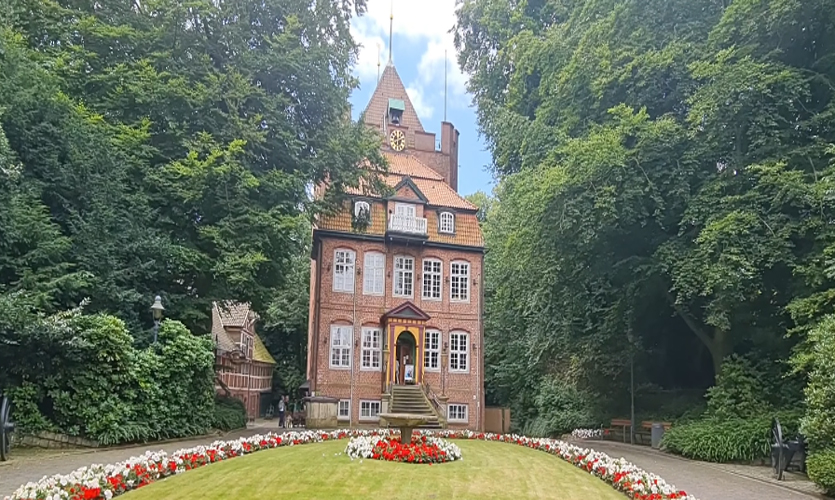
<point x="718" y="344"/>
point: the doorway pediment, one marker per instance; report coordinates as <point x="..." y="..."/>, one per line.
<point x="405" y="311"/>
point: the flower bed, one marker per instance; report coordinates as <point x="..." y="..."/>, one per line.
<point x="587" y="433"/>
<point x="424" y="450"/>
<point x="103" y="482"/>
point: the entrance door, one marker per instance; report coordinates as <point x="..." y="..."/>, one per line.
<point x="405" y="359"/>
<point x="405" y="209"/>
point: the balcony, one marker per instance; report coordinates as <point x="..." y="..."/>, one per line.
<point x="407" y="225"/>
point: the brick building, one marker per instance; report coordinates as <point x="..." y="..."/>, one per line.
<point x="396" y="281"/>
<point x="243" y="365"/>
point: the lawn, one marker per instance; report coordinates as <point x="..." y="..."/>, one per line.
<point x="488" y="471"/>
<point x="321" y="471"/>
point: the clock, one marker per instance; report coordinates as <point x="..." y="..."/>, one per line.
<point x="397" y="140"/>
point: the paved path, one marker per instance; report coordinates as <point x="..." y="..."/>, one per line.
<point x="31" y="467"/>
<point x="708" y="481"/>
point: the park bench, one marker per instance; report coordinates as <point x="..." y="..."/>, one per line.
<point x="622" y="425"/>
<point x="643" y="432"/>
<point x="786" y="453"/>
<point x="6" y="427"/>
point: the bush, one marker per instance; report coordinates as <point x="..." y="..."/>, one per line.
<point x="101" y="387"/>
<point x="229" y="414"/>
<point x="821" y="469"/>
<point x="739" y="391"/>
<point x="560" y="408"/>
<point x="819" y="422"/>
<point x="733" y="440"/>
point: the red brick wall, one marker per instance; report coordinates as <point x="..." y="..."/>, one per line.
<point x="364" y="310"/>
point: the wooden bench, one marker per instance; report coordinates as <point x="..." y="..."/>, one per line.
<point x="643" y="432"/>
<point x="624" y="424"/>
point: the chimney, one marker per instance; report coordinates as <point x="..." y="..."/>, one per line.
<point x="449" y="148"/>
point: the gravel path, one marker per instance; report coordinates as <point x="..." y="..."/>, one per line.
<point x="709" y="481"/>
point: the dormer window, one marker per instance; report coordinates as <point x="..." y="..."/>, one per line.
<point x="447" y="223"/>
<point x="395" y="111"/>
<point x="362" y="210"/>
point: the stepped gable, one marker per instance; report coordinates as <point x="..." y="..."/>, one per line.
<point x="391" y="86"/>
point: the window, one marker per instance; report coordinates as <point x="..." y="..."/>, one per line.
<point x="343" y="271"/>
<point x="459" y="286"/>
<point x="405" y="210"/>
<point x="374" y="280"/>
<point x="369" y="410"/>
<point x="371" y="342"/>
<point x="432" y="348"/>
<point x="458" y="351"/>
<point x="432" y="279"/>
<point x="341" y="346"/>
<point x="404" y="276"/>
<point x="362" y="209"/>
<point x="344" y="410"/>
<point x="447" y="222"/>
<point x="456" y="413"/>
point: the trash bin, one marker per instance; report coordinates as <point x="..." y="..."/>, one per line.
<point x="657" y="434"/>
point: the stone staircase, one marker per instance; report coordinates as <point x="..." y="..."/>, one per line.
<point x="410" y="399"/>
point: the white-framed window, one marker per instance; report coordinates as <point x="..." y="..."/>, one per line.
<point x="344" y="410"/>
<point x="404" y="276"/>
<point x="362" y="209"/>
<point x="370" y="410"/>
<point x="459" y="281"/>
<point x="432" y="276"/>
<point x="372" y="340"/>
<point x="374" y="274"/>
<point x="432" y="350"/>
<point x="459" y="351"/>
<point x="405" y="209"/>
<point x="343" y="271"/>
<point x="456" y="413"/>
<point x="341" y="346"/>
<point x="447" y="222"/>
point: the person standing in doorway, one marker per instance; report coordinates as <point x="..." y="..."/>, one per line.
<point x="282" y="408"/>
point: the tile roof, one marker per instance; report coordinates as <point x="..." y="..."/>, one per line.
<point x="235" y="315"/>
<point x="430" y="183"/>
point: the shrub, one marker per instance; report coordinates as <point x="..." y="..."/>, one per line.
<point x="561" y="407"/>
<point x="733" y="440"/>
<point x="739" y="391"/>
<point x="229" y="414"/>
<point x="821" y="469"/>
<point x="819" y="422"/>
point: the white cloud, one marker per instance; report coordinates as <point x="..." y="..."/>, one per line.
<point x="423" y="109"/>
<point x="427" y="23"/>
<point x="371" y="52"/>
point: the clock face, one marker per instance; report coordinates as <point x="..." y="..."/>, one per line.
<point x="397" y="140"/>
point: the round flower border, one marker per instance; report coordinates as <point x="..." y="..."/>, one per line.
<point x="103" y="482"/>
<point x="423" y="449"/>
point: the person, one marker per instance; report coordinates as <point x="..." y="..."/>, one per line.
<point x="396" y="371"/>
<point x="282" y="407"/>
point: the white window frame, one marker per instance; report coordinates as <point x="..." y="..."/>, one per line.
<point x="343" y="270"/>
<point x="435" y="276"/>
<point x="339" y="415"/>
<point x="341" y="344"/>
<point x="432" y="350"/>
<point x="372" y="344"/>
<point x="459" y="282"/>
<point x="405" y="209"/>
<point x="446" y="223"/>
<point x="457" y="413"/>
<point x="401" y="274"/>
<point x="374" y="274"/>
<point x="359" y="206"/>
<point x="459" y="352"/>
<point x="367" y="404"/>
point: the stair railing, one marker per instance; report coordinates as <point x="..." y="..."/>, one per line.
<point x="436" y="405"/>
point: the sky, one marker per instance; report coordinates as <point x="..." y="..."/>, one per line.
<point x="421" y="35"/>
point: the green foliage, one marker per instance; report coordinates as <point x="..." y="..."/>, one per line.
<point x="734" y="440"/>
<point x="105" y="389"/>
<point x="820" y="466"/>
<point x="664" y="190"/>
<point x="739" y="392"/>
<point x="560" y="408"/>
<point x="229" y="414"/>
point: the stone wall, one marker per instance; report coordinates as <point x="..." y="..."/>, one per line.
<point x="52" y="440"/>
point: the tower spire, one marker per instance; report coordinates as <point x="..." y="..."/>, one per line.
<point x="391" y="30"/>
<point x="378" y="61"/>
<point x="446" y="64"/>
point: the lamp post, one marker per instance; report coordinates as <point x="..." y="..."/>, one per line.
<point x="157" y="309"/>
<point x="631" y="389"/>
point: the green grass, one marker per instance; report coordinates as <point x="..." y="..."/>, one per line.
<point x="315" y="471"/>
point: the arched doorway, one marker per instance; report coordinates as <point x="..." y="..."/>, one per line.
<point x="405" y="356"/>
